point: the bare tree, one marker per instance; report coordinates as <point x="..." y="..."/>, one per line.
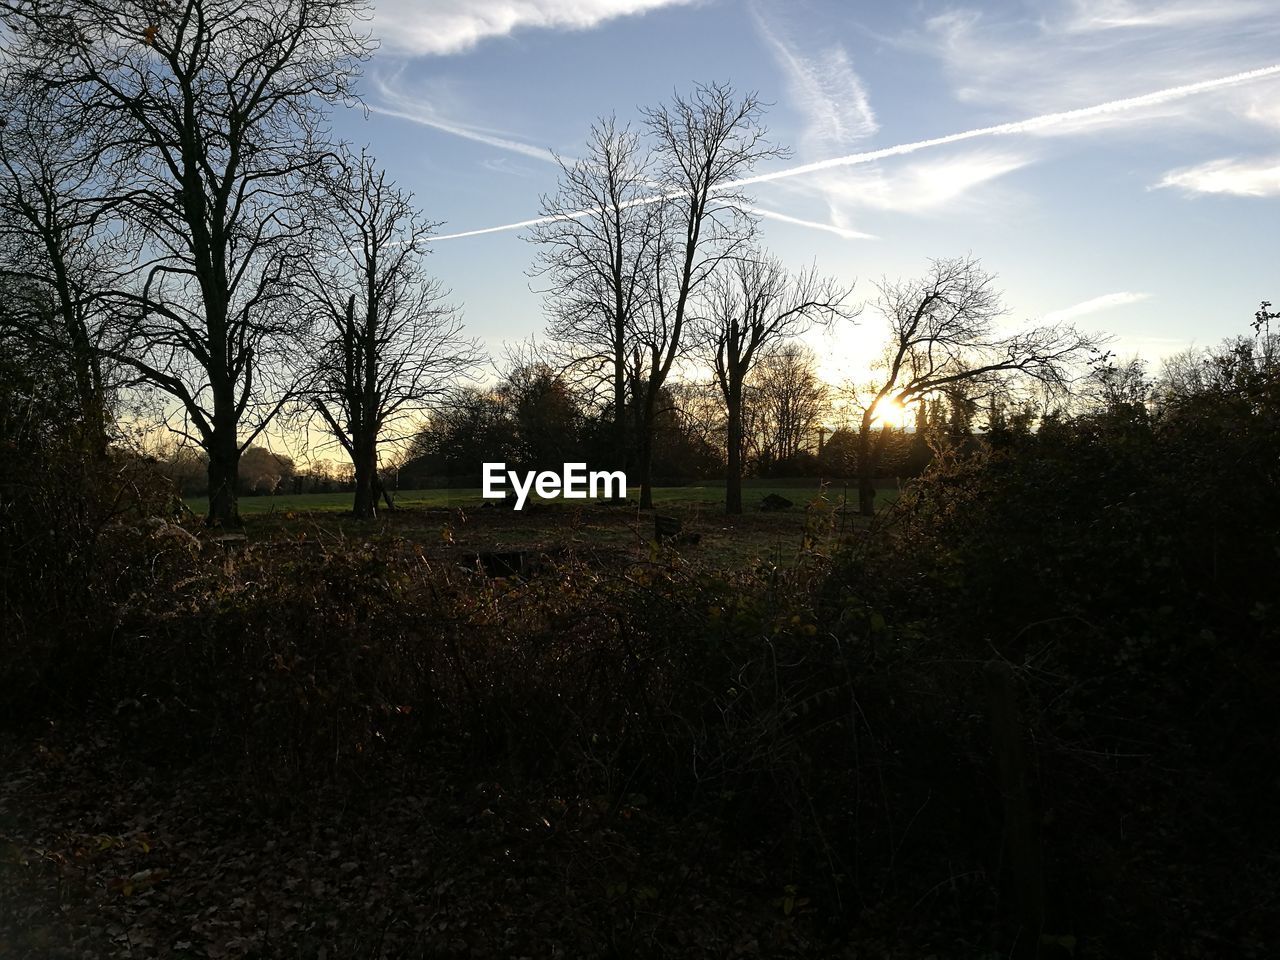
<point x="594" y="250"/>
<point x="943" y="336"/>
<point x="1119" y="385"/>
<point x="212" y="113"/>
<point x="704" y="144"/>
<point x="788" y="401"/>
<point x="387" y="342"/>
<point x="1225" y="369"/>
<point x="61" y="245"/>
<point x="750" y="307"/>
<point x="700" y="411"/>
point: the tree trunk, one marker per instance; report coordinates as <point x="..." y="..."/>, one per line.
<point x="224" y="436"/>
<point x="90" y="395"/>
<point x="85" y="364"/>
<point x="647" y="421"/>
<point x="224" y="477"/>
<point x="646" y="473"/>
<point x="619" y="421"/>
<point x="644" y="463"/>
<point x="365" y="462"/>
<point x="93" y="429"/>
<point x="866" y="471"/>
<point x="733" y="471"/>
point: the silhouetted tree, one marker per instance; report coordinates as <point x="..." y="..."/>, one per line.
<point x="1120" y="388"/>
<point x="788" y="401"/>
<point x="682" y="449"/>
<point x="545" y="416"/>
<point x="474" y="427"/>
<point x="387" y="344"/>
<point x="595" y="251"/>
<point x="943" y="339"/>
<point x="703" y="144"/>
<point x="212" y="112"/>
<point x="263" y="471"/>
<point x="59" y="242"/>
<point x="750" y="307"/>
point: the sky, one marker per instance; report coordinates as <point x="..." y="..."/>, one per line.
<point x="1154" y="218"/>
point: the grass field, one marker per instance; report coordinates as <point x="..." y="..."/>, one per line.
<point x="457" y="524"/>
<point x="800" y="490"/>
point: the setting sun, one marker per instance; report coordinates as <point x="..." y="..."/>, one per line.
<point x="891" y="413"/>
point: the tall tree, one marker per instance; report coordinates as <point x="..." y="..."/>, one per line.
<point x="387" y="344"/>
<point x="752" y="306"/>
<point x="943" y="339"/>
<point x="594" y="250"/>
<point x="704" y="143"/>
<point x="61" y="246"/>
<point x="213" y="117"/>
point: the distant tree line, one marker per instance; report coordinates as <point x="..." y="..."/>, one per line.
<point x="263" y="472"/>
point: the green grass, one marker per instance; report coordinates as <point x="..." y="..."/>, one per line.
<point x="338" y="502"/>
<point x="800" y="490"/>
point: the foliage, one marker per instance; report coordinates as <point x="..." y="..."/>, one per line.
<point x="60" y="496"/>
<point x="825" y="720"/>
<point x="1131" y="587"/>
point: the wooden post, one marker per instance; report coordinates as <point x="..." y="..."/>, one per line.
<point x="1021" y="822"/>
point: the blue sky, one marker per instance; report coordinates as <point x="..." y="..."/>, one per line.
<point x="1158" y="222"/>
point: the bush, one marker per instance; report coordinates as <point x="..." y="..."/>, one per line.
<point x="1120" y="563"/>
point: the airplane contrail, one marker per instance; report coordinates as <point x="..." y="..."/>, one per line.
<point x="839" y="231"/>
<point x="1029" y="125"/>
<point x="458" y="130"/>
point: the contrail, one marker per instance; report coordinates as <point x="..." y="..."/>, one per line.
<point x="811" y="224"/>
<point x="1041" y="122"/>
<point x="502" y="143"/>
<point x="1030" y="125"/>
<point x="758" y="211"/>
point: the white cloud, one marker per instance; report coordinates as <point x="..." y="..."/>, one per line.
<point x="917" y="187"/>
<point x="424" y="117"/>
<point x="1042" y="123"/>
<point x="1264" y="110"/>
<point x="1258" y="177"/>
<point x="1094" y="305"/>
<point x="833" y="106"/>
<point x="1090" y="15"/>
<point x="825" y="89"/>
<point x="507" y="167"/>
<point x="1083" y="51"/>
<point x="449" y="26"/>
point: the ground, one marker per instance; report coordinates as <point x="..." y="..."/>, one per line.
<point x="107" y="849"/>
<point x="101" y="856"/>
<point x="709" y="495"/>
<point x="459" y="522"/>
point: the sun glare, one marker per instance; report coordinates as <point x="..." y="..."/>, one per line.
<point x="891" y="413"/>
